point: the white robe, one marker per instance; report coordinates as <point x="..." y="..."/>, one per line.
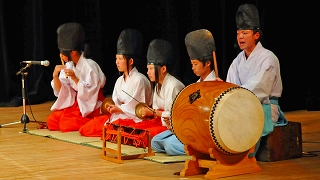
<point x="210" y="77"/>
<point x="166" y="141"/>
<point x="260" y="73"/>
<point x="127" y="94"/>
<point x="169" y="90"/>
<point x="91" y="80"/>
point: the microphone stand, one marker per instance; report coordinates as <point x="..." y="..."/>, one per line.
<point x="24" y="118"/>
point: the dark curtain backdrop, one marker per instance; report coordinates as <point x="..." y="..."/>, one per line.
<point x="28" y="32"/>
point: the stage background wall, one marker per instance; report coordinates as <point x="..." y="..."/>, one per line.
<point x="28" y="32"/>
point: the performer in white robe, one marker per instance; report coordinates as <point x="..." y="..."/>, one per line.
<point x="257" y="69"/>
<point x="77" y="85"/>
<point x="200" y="46"/>
<point x="91" y="81"/>
<point x="260" y="73"/>
<point x="160" y="58"/>
<point x="130" y="88"/>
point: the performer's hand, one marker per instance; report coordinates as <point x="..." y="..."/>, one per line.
<point x="146" y="112"/>
<point x="69" y="73"/>
<point x="218" y="79"/>
<point x="109" y="108"/>
<point x="57" y="70"/>
<point x="113" y="109"/>
<point x="167" y="121"/>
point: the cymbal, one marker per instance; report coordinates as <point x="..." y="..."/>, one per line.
<point x="138" y="111"/>
<point x="106" y="102"/>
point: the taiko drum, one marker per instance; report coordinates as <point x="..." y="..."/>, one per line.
<point x="217" y="114"/>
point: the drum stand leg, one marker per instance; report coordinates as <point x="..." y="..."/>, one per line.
<point x="219" y="165"/>
<point x="192" y="166"/>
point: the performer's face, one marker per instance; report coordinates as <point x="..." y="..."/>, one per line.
<point x="151" y="72"/>
<point x="64" y="57"/>
<point x="198" y="67"/>
<point x="121" y="63"/>
<point x="247" y="39"/>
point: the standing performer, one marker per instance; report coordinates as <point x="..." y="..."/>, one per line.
<point x="257" y="69"/>
<point x="130" y="88"/>
<point x="77" y="84"/>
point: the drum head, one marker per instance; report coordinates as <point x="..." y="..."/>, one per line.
<point x="238" y="121"/>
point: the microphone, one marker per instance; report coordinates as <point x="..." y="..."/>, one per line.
<point x="44" y="63"/>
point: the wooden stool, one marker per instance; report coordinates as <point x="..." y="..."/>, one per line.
<point x="285" y="142"/>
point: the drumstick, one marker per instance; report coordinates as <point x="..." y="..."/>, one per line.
<point x="215" y="64"/>
<point x="140" y="102"/>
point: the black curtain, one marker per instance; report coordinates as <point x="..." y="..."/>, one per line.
<point x="28" y="32"/>
<point x="23" y="39"/>
<point x="6" y="66"/>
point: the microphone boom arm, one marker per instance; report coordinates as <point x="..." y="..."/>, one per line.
<point x="22" y="70"/>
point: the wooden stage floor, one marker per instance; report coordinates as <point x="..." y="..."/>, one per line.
<point x="24" y="156"/>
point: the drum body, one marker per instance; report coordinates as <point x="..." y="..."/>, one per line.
<point x="216" y="114"/>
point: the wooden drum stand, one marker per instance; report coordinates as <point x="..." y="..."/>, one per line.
<point x="217" y="165"/>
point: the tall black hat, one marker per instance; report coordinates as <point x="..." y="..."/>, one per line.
<point x="199" y="43"/>
<point x="130" y="42"/>
<point x="160" y="52"/>
<point x="247" y="17"/>
<point x="70" y="36"/>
